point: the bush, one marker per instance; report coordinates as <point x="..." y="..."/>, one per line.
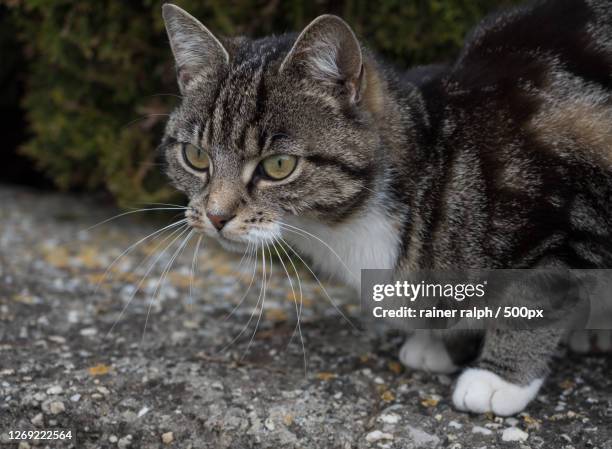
<point x="100" y="74"/>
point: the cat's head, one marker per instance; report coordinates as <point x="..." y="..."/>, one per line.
<point x="271" y="128"/>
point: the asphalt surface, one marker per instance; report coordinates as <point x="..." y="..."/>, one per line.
<point x="77" y="354"/>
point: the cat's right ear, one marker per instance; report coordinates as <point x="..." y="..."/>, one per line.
<point x="196" y="50"/>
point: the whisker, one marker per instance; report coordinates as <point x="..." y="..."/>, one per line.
<point x="263" y="303"/>
<point x="182" y="206"/>
<point x="132" y="247"/>
<point x="196" y="251"/>
<point x="162" y="279"/>
<point x="320" y="284"/>
<point x="297" y="311"/>
<point x="253" y="252"/>
<point x="295" y="230"/>
<point x="144" y="117"/>
<point x="123" y="214"/>
<point x="182" y="230"/>
<point x="246" y="326"/>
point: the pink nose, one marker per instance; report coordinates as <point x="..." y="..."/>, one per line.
<point x="219" y="220"/>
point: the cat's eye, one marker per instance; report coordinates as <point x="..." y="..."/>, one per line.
<point x="195" y="157"/>
<point x="279" y="166"/>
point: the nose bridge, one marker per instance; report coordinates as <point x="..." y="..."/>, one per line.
<point x="224" y="196"/>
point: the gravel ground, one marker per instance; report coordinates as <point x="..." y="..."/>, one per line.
<point x="190" y="379"/>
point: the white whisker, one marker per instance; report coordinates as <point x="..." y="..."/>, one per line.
<point x="246" y="326"/>
<point x="297" y="230"/>
<point x="182" y="230"/>
<point x="163" y="278"/>
<point x="297" y="310"/>
<point x="133" y="246"/>
<point x="320" y="284"/>
<point x="264" y="246"/>
<point x="252" y="253"/>
<point x="193" y="269"/>
<point x="133" y="212"/>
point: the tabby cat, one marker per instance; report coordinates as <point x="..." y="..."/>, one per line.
<point x="500" y="159"/>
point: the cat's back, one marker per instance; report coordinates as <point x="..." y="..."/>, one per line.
<point x="540" y="76"/>
<point x="523" y="124"/>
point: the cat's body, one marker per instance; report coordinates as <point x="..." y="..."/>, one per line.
<point x="502" y="159"/>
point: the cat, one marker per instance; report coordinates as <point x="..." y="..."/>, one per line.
<point x="499" y="159"/>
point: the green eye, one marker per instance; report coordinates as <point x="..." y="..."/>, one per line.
<point x="195" y="157"/>
<point x="279" y="166"/>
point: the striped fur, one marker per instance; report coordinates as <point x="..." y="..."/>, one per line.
<point x="501" y="159"/>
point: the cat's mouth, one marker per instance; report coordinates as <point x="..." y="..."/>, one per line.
<point x="231" y="245"/>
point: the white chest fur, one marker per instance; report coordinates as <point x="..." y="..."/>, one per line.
<point x="368" y="241"/>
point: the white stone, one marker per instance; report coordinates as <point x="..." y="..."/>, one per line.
<point x="512" y="422"/>
<point x="514" y="434"/>
<point x="167" y="437"/>
<point x="55" y="389"/>
<point x="481" y="430"/>
<point x="390" y="418"/>
<point x="57" y="407"/>
<point x="377" y="435"/>
<point x="38" y="420"/>
<point x="143" y="411"/>
<point x="455" y="425"/>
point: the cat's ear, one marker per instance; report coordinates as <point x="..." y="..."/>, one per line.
<point x="329" y="51"/>
<point x="196" y="50"/>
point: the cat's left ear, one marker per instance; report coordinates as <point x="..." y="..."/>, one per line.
<point x="196" y="50"/>
<point x="330" y="53"/>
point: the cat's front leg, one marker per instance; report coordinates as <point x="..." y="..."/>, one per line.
<point x="509" y="373"/>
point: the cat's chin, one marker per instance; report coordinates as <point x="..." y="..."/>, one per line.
<point x="231" y="245"/>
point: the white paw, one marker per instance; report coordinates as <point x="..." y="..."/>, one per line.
<point x="421" y="351"/>
<point x="482" y="391"/>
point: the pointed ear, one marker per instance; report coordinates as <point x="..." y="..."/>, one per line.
<point x="196" y="50"/>
<point x="330" y="53"/>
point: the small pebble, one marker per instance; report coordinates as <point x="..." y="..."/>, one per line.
<point x="143" y="411"/>
<point x="167" y="437"/>
<point x="269" y="424"/>
<point x="391" y="418"/>
<point x="481" y="430"/>
<point x="56" y="389"/>
<point x="24" y="445"/>
<point x="57" y="407"/>
<point x="512" y="422"/>
<point x="377" y="435"/>
<point x="105" y="391"/>
<point x="514" y="434"/>
<point x="125" y="442"/>
<point x="89" y="332"/>
<point x="113" y="439"/>
<point x="38" y="420"/>
<point x="75" y="397"/>
<point x="455" y="425"/>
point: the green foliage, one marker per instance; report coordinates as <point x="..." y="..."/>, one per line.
<point x="99" y="72"/>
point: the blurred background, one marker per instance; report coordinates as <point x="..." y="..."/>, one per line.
<point x="85" y="86"/>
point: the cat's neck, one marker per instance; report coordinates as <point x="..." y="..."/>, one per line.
<point x="369" y="239"/>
